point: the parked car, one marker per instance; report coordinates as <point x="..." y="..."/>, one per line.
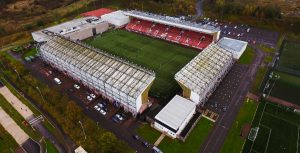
<point x="57" y="81"/>
<point x="93" y="95"/>
<point x="146" y="144"/>
<point x="136" y="137"/>
<point x="156" y="150"/>
<point x="89" y="98"/>
<point x="103" y="112"/>
<point x="76" y="86"/>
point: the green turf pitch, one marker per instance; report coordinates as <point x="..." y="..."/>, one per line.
<point x="290" y="58"/>
<point x="163" y="57"/>
<point x="287" y="87"/>
<point x="279" y="130"/>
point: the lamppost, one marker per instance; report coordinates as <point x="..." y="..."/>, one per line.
<point x="82" y="129"/>
<point x="17" y="73"/>
<point x="40" y="93"/>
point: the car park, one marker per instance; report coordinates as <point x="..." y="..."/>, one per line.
<point x="118" y="118"/>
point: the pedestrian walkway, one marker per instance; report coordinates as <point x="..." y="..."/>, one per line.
<point x="16" y="103"/>
<point x="12" y="128"/>
<point x="162" y="136"/>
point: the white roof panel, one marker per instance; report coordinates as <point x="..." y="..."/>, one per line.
<point x="176" y="112"/>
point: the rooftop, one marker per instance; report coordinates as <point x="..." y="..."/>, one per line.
<point x="201" y="73"/>
<point x="232" y="44"/>
<point x="173" y="21"/>
<point x="176" y="112"/>
<point x="115" y="72"/>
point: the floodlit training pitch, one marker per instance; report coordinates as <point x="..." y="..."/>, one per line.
<point x="279" y="130"/>
<point x="163" y="57"/>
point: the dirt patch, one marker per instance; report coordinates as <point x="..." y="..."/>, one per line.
<point x="245" y="130"/>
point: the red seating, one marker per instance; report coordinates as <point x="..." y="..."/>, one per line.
<point x="188" y="38"/>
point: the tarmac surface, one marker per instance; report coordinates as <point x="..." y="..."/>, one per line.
<point x="220" y="129"/>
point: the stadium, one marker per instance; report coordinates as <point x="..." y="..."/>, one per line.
<point x="115" y="68"/>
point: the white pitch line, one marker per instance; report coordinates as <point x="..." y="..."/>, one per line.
<point x="268" y="136"/>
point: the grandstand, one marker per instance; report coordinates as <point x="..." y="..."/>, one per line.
<point x="172" y="29"/>
<point x="123" y="83"/>
<point x="200" y="77"/>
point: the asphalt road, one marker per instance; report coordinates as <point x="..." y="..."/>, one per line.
<point x="217" y="136"/>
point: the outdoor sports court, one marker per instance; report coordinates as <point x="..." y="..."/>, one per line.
<point x="279" y="130"/>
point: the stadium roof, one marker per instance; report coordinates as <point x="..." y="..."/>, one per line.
<point x="121" y="75"/>
<point x="98" y="12"/>
<point x="201" y="74"/>
<point x="176" y="112"/>
<point x="173" y="21"/>
<point x="233" y="45"/>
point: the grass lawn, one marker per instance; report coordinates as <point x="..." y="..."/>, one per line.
<point x="287" y="87"/>
<point x="234" y="142"/>
<point x="50" y="147"/>
<point x="18" y="118"/>
<point x="163" y="57"/>
<point x="30" y="52"/>
<point x="7" y="142"/>
<point x="247" y="56"/>
<point x="261" y="72"/>
<point x="192" y="143"/>
<point x="290" y="57"/>
<point x="268" y="59"/>
<point x="148" y="133"/>
<point x="278" y="130"/>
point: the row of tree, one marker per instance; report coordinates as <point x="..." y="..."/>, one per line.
<point x="249" y="9"/>
<point x="66" y="112"/>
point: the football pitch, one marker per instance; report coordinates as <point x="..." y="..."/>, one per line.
<point x="279" y="130"/>
<point x="163" y="57"/>
<point x="289" y="58"/>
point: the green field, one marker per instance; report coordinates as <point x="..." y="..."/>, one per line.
<point x="191" y="145"/>
<point x="148" y="133"/>
<point x="245" y="116"/>
<point x="290" y="58"/>
<point x="287" y="87"/>
<point x="279" y="129"/>
<point x="193" y="142"/>
<point x="163" y="57"/>
<point x="247" y="56"/>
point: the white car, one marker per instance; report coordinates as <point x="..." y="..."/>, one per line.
<point x="120" y="117"/>
<point x="229" y="33"/>
<point x="93" y="96"/>
<point x="238" y="35"/>
<point x="57" y="81"/>
<point x="89" y="98"/>
<point x="235" y="27"/>
<point x="96" y="107"/>
<point x="76" y="86"/>
<point x="103" y="112"/>
<point x="248" y="30"/>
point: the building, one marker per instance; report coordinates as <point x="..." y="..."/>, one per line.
<point x="200" y="77"/>
<point x="123" y="83"/>
<point x="236" y="47"/>
<point x="116" y="18"/>
<point x="174" y="117"/>
<point x="77" y="29"/>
